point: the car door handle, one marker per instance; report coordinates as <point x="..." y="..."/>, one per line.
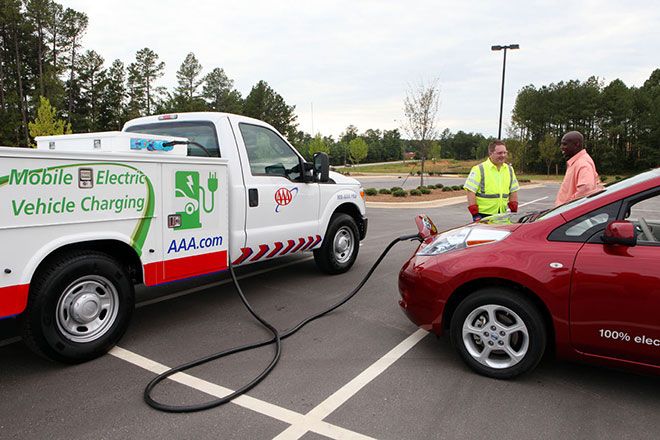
<point x="253" y="197"/>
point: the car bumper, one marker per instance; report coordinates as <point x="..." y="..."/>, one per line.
<point x="421" y="298"/>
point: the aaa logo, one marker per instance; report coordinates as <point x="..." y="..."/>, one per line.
<point x="284" y="196"/>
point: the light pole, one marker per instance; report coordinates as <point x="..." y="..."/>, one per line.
<point x="510" y="46"/>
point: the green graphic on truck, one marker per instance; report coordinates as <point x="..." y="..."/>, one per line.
<point x="191" y="195"/>
<point x="57" y="176"/>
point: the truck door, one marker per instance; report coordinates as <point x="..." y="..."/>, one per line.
<point x="282" y="211"/>
<point x="615" y="294"/>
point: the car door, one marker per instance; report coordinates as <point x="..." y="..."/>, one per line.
<point x="283" y="211"/>
<point x="615" y="289"/>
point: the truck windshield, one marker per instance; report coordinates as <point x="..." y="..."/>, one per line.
<point x="197" y="131"/>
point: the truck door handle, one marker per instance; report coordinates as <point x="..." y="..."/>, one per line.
<point x="253" y="197"/>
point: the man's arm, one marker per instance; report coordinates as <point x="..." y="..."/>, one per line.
<point x="584" y="181"/>
<point x="471" y="197"/>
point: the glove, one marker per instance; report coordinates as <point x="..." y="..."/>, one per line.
<point x="474" y="210"/>
<point x="513" y="206"/>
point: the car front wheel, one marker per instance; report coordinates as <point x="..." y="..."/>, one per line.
<point x="499" y="333"/>
<point x="340" y="245"/>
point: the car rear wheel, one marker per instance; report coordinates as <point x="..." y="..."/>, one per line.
<point x="79" y="306"/>
<point x="499" y="333"/>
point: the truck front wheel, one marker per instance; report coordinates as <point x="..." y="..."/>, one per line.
<point x="340" y="245"/>
<point x="79" y="306"/>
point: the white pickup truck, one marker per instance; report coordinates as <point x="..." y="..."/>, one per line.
<point x="85" y="217"/>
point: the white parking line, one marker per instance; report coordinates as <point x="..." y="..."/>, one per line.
<point x="533" y="201"/>
<point x="329" y="405"/>
<point x="245" y="401"/>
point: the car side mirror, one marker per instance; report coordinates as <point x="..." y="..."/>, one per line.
<point x="321" y="167"/>
<point x="620" y="232"/>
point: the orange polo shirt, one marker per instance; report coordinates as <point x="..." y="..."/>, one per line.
<point x="581" y="178"/>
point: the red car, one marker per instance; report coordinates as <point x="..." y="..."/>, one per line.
<point x="581" y="280"/>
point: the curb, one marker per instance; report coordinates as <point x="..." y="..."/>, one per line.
<point x="432" y="203"/>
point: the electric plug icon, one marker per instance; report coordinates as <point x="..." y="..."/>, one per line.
<point x="212" y="182"/>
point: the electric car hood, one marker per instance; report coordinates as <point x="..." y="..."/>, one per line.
<point x="344" y="180"/>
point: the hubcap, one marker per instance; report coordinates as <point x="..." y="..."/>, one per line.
<point x="87" y="309"/>
<point x="343" y="245"/>
<point x="495" y="336"/>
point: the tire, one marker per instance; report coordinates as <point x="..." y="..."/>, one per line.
<point x="499" y="333"/>
<point x="340" y="247"/>
<point x="78" y="308"/>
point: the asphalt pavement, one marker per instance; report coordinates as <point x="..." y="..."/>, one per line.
<point x="363" y="371"/>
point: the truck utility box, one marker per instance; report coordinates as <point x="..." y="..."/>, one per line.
<point x="85" y="217"/>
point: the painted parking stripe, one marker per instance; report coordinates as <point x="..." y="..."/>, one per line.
<point x="245" y="401"/>
<point x="329" y="405"/>
<point x="533" y="201"/>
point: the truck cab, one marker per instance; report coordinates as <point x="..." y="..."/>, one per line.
<point x="277" y="206"/>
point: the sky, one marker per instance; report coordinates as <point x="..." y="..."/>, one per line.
<point x="353" y="62"/>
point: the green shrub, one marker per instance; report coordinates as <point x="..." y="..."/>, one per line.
<point x="415" y="192"/>
<point x="456" y="188"/>
<point x="524" y="180"/>
<point x="603" y="178"/>
<point x="425" y="191"/>
<point x="446" y="188"/>
<point x="439" y="185"/>
<point x="617" y="178"/>
<point x="371" y="191"/>
<point x="399" y="193"/>
<point x="396" y="188"/>
<point x="421" y="186"/>
<point x="419" y="173"/>
<point x="384" y="191"/>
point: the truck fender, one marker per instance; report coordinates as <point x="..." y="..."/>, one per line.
<point x="47" y="249"/>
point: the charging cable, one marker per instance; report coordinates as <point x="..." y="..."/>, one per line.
<point x="276" y="339"/>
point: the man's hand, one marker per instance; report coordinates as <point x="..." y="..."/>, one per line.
<point x="513" y="206"/>
<point x="474" y="210"/>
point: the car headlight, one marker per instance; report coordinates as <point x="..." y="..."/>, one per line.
<point x="462" y="238"/>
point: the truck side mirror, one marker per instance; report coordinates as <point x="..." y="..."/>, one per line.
<point x="620" y="232"/>
<point x="321" y="167"/>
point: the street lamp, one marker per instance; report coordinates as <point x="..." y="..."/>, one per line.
<point x="510" y="46"/>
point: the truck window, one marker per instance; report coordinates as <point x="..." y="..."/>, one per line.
<point x="201" y="132"/>
<point x="268" y="153"/>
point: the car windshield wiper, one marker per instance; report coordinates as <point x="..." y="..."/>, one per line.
<point x="532" y="216"/>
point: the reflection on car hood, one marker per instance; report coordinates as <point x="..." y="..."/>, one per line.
<point x="510" y="219"/>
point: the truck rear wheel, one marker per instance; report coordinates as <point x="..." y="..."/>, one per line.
<point x="79" y="307"/>
<point x="340" y="245"/>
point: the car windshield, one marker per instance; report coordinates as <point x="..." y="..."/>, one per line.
<point x="609" y="189"/>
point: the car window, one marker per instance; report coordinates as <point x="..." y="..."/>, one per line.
<point x="268" y="153"/>
<point x="645" y="215"/>
<point x="202" y="132"/>
<point x="586" y="226"/>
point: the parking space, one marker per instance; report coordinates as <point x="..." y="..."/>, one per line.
<point x="364" y="371"/>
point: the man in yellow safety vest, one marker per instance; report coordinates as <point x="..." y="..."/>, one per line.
<point x="492" y="185"/>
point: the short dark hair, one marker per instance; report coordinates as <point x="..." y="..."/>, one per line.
<point x="495" y="143"/>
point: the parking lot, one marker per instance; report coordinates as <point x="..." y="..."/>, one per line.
<point x="364" y="371"/>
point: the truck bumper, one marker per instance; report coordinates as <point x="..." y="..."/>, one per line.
<point x="362" y="227"/>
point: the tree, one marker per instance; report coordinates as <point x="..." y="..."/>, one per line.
<point x="549" y="151"/>
<point x="392" y="145"/>
<point x="74" y="27"/>
<point x="357" y="149"/>
<point x="317" y="145"/>
<point x="46" y="123"/>
<point x="219" y="93"/>
<point x="143" y="73"/>
<point x="114" y="97"/>
<point x="266" y="104"/>
<point x="421" y="108"/>
<point x="92" y="79"/>
<point x="186" y="98"/>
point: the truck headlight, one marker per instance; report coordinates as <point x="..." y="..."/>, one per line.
<point x="462" y="238"/>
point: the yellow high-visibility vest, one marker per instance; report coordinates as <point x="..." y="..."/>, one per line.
<point x="492" y="186"/>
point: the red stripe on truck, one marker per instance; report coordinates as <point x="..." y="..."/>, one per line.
<point x="13" y="299"/>
<point x="186" y="267"/>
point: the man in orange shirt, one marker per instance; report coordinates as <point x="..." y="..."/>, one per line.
<point x="581" y="177"/>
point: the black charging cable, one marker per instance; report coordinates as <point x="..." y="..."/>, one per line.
<point x="276" y="339"/>
<point x="172" y="143"/>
